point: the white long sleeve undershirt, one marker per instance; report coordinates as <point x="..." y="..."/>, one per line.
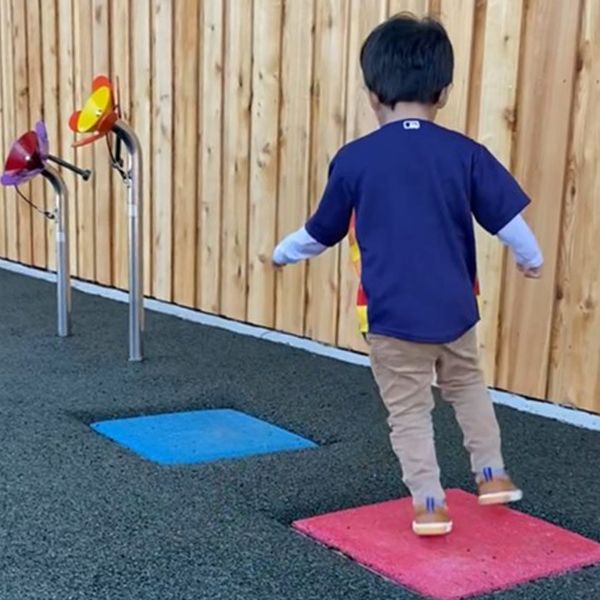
<point x="297" y="246"/>
<point x="520" y="239"/>
<point x="517" y="235"/>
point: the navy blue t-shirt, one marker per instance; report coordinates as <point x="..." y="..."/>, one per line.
<point x="414" y="187"/>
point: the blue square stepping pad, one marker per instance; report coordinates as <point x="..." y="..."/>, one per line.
<point x="199" y="436"/>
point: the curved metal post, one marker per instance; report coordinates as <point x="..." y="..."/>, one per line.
<point x="135" y="221"/>
<point x="63" y="278"/>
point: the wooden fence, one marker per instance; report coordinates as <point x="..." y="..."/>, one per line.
<point x="240" y="104"/>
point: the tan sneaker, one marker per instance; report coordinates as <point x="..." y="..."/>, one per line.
<point x="497" y="489"/>
<point x="432" y="519"/>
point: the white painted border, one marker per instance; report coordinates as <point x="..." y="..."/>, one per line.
<point x="571" y="416"/>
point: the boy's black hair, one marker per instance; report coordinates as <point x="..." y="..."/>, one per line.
<point x="406" y="59"/>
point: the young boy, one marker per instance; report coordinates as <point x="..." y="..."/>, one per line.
<point x="411" y="190"/>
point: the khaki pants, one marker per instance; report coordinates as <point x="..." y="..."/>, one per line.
<point x="404" y="374"/>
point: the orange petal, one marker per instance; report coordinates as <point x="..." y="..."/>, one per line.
<point x="101" y="81"/>
<point x="74" y="120"/>
<point x="88" y="140"/>
<point x="106" y="122"/>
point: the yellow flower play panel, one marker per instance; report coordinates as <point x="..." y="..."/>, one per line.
<point x="97" y="106"/>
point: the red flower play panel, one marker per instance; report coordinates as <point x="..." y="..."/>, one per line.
<point x="491" y="548"/>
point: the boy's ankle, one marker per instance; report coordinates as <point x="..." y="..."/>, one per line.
<point x="429" y="502"/>
<point x="491" y="473"/>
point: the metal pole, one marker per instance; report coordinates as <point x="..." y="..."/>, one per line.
<point x="136" y="264"/>
<point x="63" y="278"/>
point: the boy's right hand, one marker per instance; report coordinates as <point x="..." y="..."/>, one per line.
<point x="530" y="272"/>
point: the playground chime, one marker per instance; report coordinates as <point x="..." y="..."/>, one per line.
<point x="29" y="156"/>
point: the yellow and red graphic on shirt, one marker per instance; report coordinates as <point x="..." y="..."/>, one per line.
<point x="361" y="297"/>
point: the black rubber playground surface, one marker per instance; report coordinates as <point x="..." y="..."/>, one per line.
<point x="83" y="519"/>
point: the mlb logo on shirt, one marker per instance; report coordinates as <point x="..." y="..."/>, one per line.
<point x="411" y="125"/>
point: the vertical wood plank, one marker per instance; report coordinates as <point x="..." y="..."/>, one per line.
<point x="296" y="78"/>
<point x="416" y="7"/>
<point x="575" y="354"/>
<point x="360" y="120"/>
<point x="36" y="90"/>
<point x="238" y="74"/>
<point x="495" y="130"/>
<point x="2" y="151"/>
<point x="50" y="109"/>
<point x="476" y="77"/>
<point x="548" y="68"/>
<point x="121" y="56"/>
<point x="67" y="102"/>
<point x="162" y="148"/>
<point x="85" y="200"/>
<point x="6" y="194"/>
<point x="141" y="116"/>
<point x="329" y="90"/>
<point x="208" y="277"/>
<point x="458" y="18"/>
<point x="264" y="149"/>
<point x="21" y="117"/>
<point x="102" y="174"/>
<point x="186" y="152"/>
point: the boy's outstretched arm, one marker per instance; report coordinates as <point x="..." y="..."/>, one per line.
<point x="328" y="226"/>
<point x="297" y="246"/>
<point x="520" y="239"/>
<point x="497" y="203"/>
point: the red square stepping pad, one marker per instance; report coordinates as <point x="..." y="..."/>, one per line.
<point x="491" y="547"/>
